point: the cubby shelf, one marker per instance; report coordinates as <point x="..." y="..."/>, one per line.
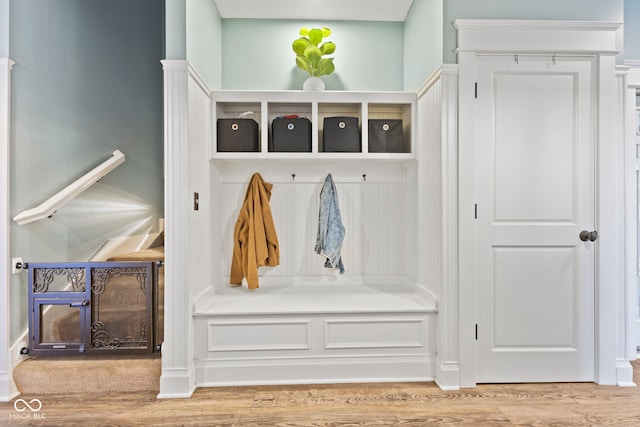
<point x="264" y="106"/>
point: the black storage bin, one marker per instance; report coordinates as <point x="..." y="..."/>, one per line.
<point x="237" y="135"/>
<point x="341" y="134"/>
<point x="385" y="136"/>
<point x="290" y="135"/>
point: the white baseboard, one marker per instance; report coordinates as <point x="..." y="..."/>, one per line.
<point x="314" y="370"/>
<point x="448" y="376"/>
<point x="177" y="383"/>
<point x="8" y="388"/>
<point x="624" y="374"/>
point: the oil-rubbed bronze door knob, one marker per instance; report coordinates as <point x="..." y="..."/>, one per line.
<point x="586" y="236"/>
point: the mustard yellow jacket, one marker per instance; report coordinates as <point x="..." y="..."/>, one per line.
<point x="255" y="240"/>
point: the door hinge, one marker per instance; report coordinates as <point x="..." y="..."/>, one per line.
<point x="476" y="90"/>
<point x="476" y="332"/>
<point x="475" y="211"/>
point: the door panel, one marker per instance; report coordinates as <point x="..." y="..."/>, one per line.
<point x="532" y="163"/>
<point x="535" y="188"/>
<point x="549" y="287"/>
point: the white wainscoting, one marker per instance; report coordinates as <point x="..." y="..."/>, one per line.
<point x="305" y="348"/>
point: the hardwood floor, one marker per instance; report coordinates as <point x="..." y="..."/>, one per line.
<point x="342" y="405"/>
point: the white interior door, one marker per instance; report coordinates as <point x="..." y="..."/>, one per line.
<point x="535" y="189"/>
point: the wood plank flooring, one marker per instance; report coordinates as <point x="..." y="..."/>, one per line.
<point x="344" y="405"/>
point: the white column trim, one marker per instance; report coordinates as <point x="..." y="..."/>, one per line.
<point x="178" y="373"/>
<point x="610" y="222"/>
<point x="448" y="364"/>
<point x="8" y="388"/>
<point x="467" y="286"/>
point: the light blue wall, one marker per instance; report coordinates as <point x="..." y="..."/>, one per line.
<point x="87" y="81"/>
<point x="422" y="42"/>
<point x="204" y="40"/>
<point x="175" y="29"/>
<point x="587" y="10"/>
<point x="257" y="55"/>
<point x="632" y="30"/>
<point x="4" y="28"/>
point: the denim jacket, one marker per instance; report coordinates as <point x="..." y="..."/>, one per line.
<point x="330" y="228"/>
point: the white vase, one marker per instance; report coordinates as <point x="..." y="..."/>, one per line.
<point x="313" y="84"/>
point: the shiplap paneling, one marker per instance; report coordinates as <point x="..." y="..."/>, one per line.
<point x="372" y="215"/>
<point x="430" y="231"/>
<point x="199" y="129"/>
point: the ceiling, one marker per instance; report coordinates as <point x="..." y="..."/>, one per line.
<point x="352" y="10"/>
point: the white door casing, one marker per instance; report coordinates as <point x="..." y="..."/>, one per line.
<point x="636" y="220"/>
<point x="632" y="158"/>
<point x="535" y="193"/>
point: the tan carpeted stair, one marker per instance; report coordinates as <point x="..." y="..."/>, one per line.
<point x="88" y="374"/>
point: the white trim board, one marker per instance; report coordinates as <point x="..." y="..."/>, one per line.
<point x="7" y="386"/>
<point x="525" y="36"/>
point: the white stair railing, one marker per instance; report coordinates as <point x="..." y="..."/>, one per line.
<point x="47" y="208"/>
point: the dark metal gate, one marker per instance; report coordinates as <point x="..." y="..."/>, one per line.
<point x="92" y="307"/>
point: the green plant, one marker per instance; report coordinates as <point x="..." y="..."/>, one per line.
<point x="310" y="51"/>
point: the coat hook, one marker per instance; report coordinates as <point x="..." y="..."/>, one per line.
<point x="364" y="176"/>
<point x="516" y="58"/>
<point x="293" y="177"/>
<point x="553" y="59"/>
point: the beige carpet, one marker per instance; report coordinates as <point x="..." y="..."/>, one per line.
<point x="90" y="374"/>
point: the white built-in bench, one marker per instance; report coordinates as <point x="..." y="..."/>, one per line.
<point x="316" y="330"/>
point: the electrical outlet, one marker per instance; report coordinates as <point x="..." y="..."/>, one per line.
<point x="14" y="265"/>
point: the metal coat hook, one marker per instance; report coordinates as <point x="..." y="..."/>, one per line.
<point x="516" y="59"/>
<point x="364" y="176"/>
<point x="293" y="177"/>
<point x="553" y="59"/>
